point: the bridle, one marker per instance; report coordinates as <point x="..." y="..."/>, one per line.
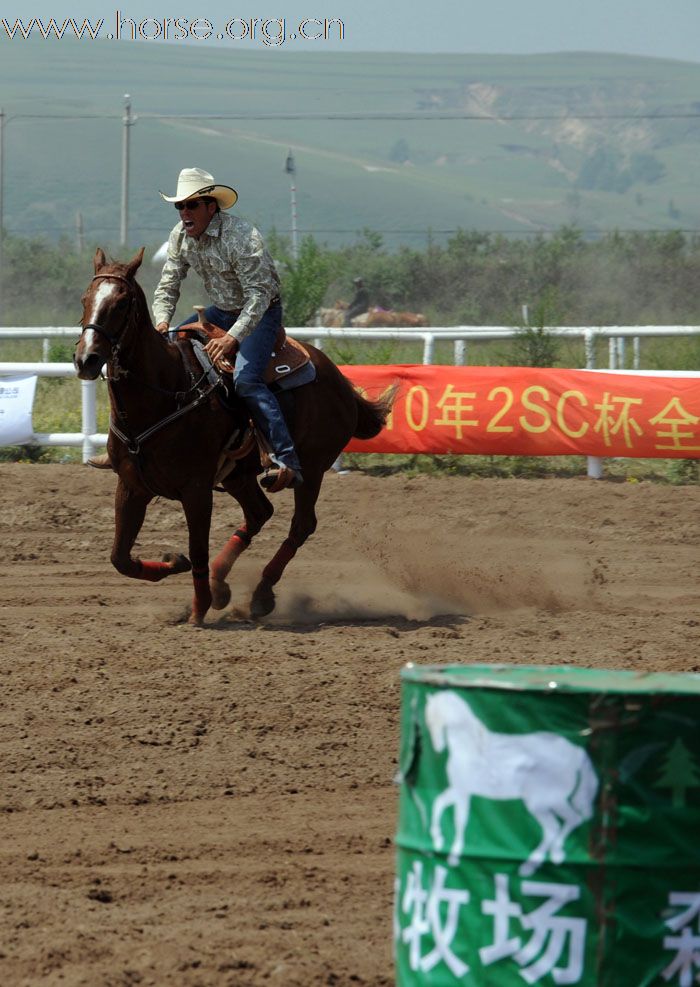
<point x="132" y="442"/>
<point x="112" y="339"/>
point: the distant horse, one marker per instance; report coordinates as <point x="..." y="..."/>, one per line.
<point x="554" y="778"/>
<point x="332" y="318"/>
<point x="379" y="318"/>
<point x="168" y="430"/>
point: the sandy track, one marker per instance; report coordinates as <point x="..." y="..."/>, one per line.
<point x="216" y="807"/>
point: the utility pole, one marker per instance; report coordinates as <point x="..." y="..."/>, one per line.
<point x="3" y="117"/>
<point x="290" y="169"/>
<point x="79" y="232"/>
<point x="128" y="123"/>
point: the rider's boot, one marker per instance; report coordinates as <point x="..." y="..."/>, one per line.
<point x="281" y="478"/>
<point x="102" y="462"/>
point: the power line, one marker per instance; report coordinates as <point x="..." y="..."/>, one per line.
<point x="379" y="115"/>
<point x="418" y="115"/>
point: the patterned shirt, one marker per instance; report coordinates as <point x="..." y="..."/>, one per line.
<point x="232" y="261"/>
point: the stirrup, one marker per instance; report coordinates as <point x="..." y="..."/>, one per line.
<point x="281" y="479"/>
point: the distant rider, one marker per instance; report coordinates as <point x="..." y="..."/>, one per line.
<point x="359" y="303"/>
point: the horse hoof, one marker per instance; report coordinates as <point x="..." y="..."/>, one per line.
<point x="220" y="594"/>
<point x="177" y="562"/>
<point x="194" y="620"/>
<point x="263" y="601"/>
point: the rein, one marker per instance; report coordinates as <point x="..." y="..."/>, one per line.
<point x="133" y="446"/>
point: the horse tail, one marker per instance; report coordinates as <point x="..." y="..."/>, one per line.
<point x="372" y="415"/>
<point x="586" y="789"/>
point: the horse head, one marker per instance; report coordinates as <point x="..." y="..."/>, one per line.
<point x="108" y="308"/>
<point x="435" y="720"/>
<point x="447" y="711"/>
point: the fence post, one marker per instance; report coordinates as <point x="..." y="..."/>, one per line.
<point x="595" y="467"/>
<point x="89" y="415"/>
<point x="460" y="351"/>
<point x="589" y="343"/>
<point x="621" y="352"/>
<point x="428" y="349"/>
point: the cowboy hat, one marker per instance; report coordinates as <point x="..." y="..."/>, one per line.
<point x="193" y="182"/>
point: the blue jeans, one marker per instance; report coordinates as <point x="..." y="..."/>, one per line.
<point x="251" y="360"/>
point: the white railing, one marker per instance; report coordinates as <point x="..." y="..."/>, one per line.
<point x="89" y="438"/>
<point x="459" y="335"/>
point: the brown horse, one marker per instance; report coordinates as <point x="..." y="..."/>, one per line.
<point x="168" y="429"/>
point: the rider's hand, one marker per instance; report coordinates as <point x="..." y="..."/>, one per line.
<point x="222" y="348"/>
<point x="163" y="327"/>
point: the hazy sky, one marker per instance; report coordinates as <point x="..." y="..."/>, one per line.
<point x="669" y="29"/>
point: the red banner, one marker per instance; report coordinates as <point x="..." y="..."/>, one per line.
<point x="522" y="411"/>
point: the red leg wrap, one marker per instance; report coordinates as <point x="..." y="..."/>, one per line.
<point x="221" y="566"/>
<point x="276" y="566"/>
<point x="153" y="572"/>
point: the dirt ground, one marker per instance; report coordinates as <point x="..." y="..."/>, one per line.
<point x="216" y="807"/>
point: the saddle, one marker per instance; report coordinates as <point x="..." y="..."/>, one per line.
<point x="289" y="366"/>
<point x="288" y="359"/>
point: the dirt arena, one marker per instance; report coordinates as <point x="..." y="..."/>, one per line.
<point x="216" y="807"/>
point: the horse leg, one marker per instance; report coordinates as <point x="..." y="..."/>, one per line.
<point x="197" y="505"/>
<point x="461" y="817"/>
<point x="257" y="509"/>
<point x="303" y="525"/>
<point x="570" y="820"/>
<point x="129" y="512"/>
<point x="442" y="802"/>
<point x="550" y="827"/>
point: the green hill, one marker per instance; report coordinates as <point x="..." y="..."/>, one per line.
<point x="602" y="141"/>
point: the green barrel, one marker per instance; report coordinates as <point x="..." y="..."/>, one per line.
<point x="549" y="828"/>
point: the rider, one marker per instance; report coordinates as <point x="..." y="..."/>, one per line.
<point x="359" y="303"/>
<point x="240" y="278"/>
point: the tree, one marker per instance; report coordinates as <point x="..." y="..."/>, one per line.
<point x="304" y="283"/>
<point x="680" y="773"/>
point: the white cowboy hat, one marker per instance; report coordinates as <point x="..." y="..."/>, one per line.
<point x="193" y="182"/>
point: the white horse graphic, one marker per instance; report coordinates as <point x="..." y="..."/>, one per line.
<point x="554" y="778"/>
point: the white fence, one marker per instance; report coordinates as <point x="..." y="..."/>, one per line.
<point x="89" y="438"/>
<point x="461" y="336"/>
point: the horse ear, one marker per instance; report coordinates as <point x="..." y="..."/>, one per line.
<point x="99" y="259"/>
<point x="135" y="263"/>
